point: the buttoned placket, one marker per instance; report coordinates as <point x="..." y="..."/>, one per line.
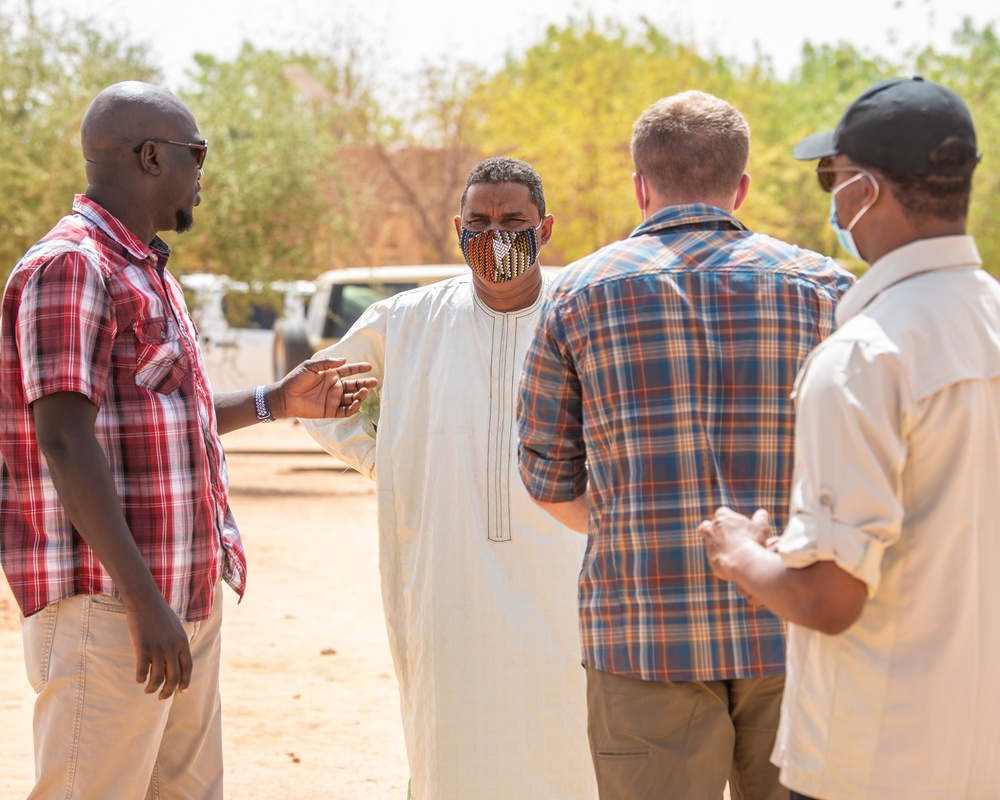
<point x="504" y="378"/>
<point x="501" y="409"/>
<point x="203" y="398"/>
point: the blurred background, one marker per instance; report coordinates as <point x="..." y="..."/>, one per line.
<point x="341" y="133"/>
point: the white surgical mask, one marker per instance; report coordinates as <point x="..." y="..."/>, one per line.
<point x="845" y="235"/>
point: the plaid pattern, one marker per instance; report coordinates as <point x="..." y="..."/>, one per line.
<point x="90" y="309"/>
<point x="660" y="373"/>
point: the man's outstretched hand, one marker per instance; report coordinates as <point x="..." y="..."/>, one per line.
<point x="322" y="388"/>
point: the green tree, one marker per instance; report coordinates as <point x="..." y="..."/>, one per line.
<point x="974" y="73"/>
<point x="50" y="70"/>
<point x="567" y="106"/>
<point x="784" y="199"/>
<point x="423" y="156"/>
<point x="274" y="203"/>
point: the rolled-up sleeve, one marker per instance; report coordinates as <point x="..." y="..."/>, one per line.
<point x="552" y="454"/>
<point x="846" y="502"/>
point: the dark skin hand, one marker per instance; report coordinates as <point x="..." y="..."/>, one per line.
<point x="64" y="425"/>
<point x="821" y="596"/>
<point x="315" y="389"/>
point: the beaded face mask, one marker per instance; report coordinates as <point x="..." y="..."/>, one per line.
<point x="499" y="256"/>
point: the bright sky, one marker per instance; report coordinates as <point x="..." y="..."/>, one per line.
<point x="404" y="34"/>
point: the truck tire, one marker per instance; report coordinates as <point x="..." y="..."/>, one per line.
<point x="291" y="347"/>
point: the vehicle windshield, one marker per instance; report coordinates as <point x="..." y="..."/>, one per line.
<point x="349" y="301"/>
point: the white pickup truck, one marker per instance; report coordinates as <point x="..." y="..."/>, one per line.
<point x="236" y="321"/>
<point x="340" y="296"/>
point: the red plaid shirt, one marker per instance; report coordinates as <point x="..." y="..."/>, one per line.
<point x="91" y="309"/>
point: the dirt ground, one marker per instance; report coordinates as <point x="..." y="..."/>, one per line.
<point x="310" y="700"/>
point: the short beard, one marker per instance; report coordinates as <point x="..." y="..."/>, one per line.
<point x="183" y="221"/>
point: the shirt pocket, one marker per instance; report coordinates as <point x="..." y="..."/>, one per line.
<point x="162" y="363"/>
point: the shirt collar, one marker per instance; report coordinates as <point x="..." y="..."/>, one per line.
<point x="113" y="227"/>
<point x="923" y="255"/>
<point x="699" y="215"/>
<point x="529" y="309"/>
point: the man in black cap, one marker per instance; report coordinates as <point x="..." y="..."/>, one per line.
<point x="885" y="568"/>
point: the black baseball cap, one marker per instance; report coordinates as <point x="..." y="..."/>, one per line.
<point x="895" y="125"/>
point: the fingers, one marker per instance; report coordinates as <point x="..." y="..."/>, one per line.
<point x="354" y="369"/>
<point x="350" y="403"/>
<point x="358" y="384"/>
<point x="355" y="398"/>
<point x="168" y="673"/>
<point x="760" y="526"/>
<point x="142" y="663"/>
<point x="339" y="364"/>
<point x="707" y="526"/>
<point x="157" y="677"/>
<point x="323" y="364"/>
<point x="761" y="519"/>
<point x="178" y="674"/>
<point x="712" y="549"/>
<point x="354" y="395"/>
<point x="160" y="643"/>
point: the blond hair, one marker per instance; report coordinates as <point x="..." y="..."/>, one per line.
<point x="691" y="143"/>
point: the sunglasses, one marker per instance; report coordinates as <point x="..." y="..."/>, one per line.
<point x="826" y="174"/>
<point x="198" y="149"/>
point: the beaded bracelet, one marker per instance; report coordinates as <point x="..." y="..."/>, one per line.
<point x="260" y="404"/>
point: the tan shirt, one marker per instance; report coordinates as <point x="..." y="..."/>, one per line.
<point x="898" y="482"/>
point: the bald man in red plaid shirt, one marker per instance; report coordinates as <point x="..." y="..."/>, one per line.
<point x="115" y="529"/>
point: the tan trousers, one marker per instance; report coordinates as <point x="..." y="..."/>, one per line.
<point x="97" y="735"/>
<point x="655" y="740"/>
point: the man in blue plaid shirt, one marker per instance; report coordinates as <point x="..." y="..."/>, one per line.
<point x="658" y="388"/>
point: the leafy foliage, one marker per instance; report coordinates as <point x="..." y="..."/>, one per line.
<point x="974" y="72"/>
<point x="306" y="171"/>
<point x="50" y="70"/>
<point x="785" y="201"/>
<point x="567" y="106"/>
<point x="273" y="205"/>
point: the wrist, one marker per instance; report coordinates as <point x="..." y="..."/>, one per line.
<point x="140" y="594"/>
<point x="262" y="404"/>
<point x="276" y="400"/>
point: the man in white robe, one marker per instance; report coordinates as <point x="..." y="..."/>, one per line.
<point x="478" y="583"/>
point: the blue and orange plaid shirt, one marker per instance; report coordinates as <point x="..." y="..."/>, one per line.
<point x="659" y="380"/>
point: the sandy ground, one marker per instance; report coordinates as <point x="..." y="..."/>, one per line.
<point x="309" y="696"/>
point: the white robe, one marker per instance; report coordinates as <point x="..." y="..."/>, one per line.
<point x="479" y="585"/>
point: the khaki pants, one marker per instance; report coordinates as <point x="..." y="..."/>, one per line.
<point x="654" y="740"/>
<point x="98" y="736"/>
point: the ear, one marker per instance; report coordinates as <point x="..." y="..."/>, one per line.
<point x="872" y="190"/>
<point x="641" y="197"/>
<point x="458" y="226"/>
<point x="741" y="191"/>
<point x="545" y="231"/>
<point x="148" y="158"/>
<point x="869" y="196"/>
